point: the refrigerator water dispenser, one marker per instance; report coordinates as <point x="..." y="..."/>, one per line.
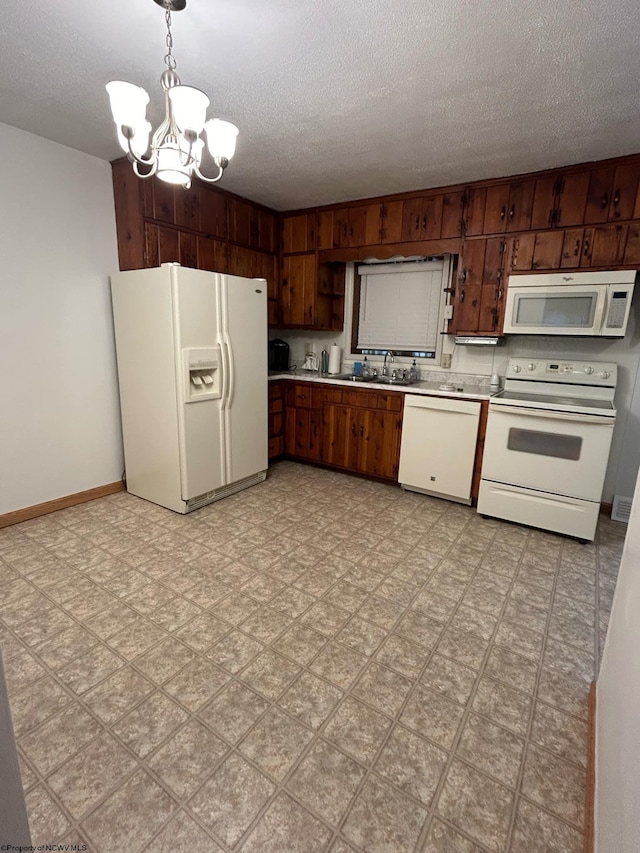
<point x="201" y="374"/>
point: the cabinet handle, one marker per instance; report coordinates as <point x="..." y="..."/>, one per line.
<point x="424" y="223"/>
<point x="351" y="231"/>
<point x="616" y="201"/>
<point x="586" y="248"/>
<point x="605" y="201"/>
<point x="353" y="429"/>
<point x="462" y="296"/>
<point x="503" y="212"/>
<point x="558" y="216"/>
<point x="417" y="228"/>
<point x="512" y="210"/>
<point x="551" y="216"/>
<point x="463" y="275"/>
<point x="576" y="251"/>
<point x="361" y="430"/>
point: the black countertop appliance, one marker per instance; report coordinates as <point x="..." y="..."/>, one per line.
<point x="278" y="355"/>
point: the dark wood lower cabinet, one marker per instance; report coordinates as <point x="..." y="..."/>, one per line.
<point x="355" y="431"/>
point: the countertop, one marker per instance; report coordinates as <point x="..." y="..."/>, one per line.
<point x="431" y="389"/>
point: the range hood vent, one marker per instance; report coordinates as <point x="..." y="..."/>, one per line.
<point x="478" y="341"/>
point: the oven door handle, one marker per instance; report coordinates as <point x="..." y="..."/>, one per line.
<point x="546" y="414"/>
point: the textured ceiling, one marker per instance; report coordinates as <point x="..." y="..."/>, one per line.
<point x="343" y="99"/>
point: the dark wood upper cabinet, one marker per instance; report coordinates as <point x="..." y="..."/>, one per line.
<point x="187" y="208"/>
<point x="244" y="223"/>
<point x="571" y="198"/>
<point x="391" y="222"/>
<point x="625" y="186"/>
<point x="471" y="266"/>
<point x="299" y="233"/>
<point x="213" y="212"/>
<point x="325" y="229"/>
<point x="599" y="195"/>
<point x="422" y="218"/>
<point x="608" y="245"/>
<point x="547" y="250"/>
<point x="349" y="226"/>
<point x="520" y="204"/>
<point x="544" y="203"/>
<point x="373" y="224"/>
<point x="474" y="204"/>
<point x="495" y="211"/>
<point x="452" y="215"/>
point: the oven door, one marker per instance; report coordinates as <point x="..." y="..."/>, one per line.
<point x="560" y="310"/>
<point x="556" y="452"/>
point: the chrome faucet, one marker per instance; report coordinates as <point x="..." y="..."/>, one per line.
<point x="385" y="370"/>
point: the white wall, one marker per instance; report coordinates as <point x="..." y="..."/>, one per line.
<point x="624" y="460"/>
<point x="617" y="801"/>
<point x="59" y="411"/>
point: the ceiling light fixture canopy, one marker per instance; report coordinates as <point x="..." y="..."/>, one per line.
<point x="176" y="145"/>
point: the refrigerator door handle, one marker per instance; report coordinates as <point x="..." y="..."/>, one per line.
<point x="230" y="371"/>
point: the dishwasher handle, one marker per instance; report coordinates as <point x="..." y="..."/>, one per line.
<point x="442" y="404"/>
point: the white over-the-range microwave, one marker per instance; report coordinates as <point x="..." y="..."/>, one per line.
<point x="584" y="303"/>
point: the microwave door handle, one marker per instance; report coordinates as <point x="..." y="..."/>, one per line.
<point x="601" y="311"/>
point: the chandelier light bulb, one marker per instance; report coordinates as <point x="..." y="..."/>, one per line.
<point x="176" y="146"/>
<point x="221" y="139"/>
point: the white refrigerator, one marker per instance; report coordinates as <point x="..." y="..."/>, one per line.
<point x="192" y="369"/>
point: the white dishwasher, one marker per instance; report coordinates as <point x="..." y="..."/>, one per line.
<point x="438" y="446"/>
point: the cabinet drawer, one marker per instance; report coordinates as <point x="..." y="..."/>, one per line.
<point x="304" y="396"/>
<point x="275" y="406"/>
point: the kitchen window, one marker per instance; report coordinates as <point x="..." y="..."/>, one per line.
<point x="401" y="308"/>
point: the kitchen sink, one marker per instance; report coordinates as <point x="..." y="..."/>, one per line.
<point x="381" y="380"/>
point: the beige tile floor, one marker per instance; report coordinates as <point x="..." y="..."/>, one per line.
<point x="318" y="663"/>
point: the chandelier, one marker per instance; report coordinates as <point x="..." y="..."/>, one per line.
<point x="176" y="145"/>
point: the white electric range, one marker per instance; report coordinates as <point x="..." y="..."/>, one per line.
<point x="547" y="445"/>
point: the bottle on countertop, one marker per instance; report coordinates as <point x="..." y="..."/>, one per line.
<point x="414" y="376"/>
<point x="324" y="361"/>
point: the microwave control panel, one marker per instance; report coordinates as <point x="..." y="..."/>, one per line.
<point x="617" y="312"/>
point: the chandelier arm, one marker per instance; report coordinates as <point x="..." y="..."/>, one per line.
<point x="202" y="177"/>
<point x="135" y="158"/>
<point x="149" y="174"/>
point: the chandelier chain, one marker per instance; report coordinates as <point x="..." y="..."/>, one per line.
<point x="169" y="60"/>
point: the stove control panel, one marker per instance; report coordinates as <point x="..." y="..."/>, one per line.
<point x="570" y="372"/>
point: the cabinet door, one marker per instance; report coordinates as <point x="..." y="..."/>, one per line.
<point x="431" y="217"/>
<point x="298" y="233"/>
<point x="599" y="195"/>
<point x="492" y="285"/>
<point x="358" y="225"/>
<point x="188" y="249"/>
<point x="608" y="245"/>
<point x="625" y="185"/>
<point x="451" y="215"/>
<point x="168" y="244"/>
<point x="187" y="208"/>
<point x="572" y="199"/>
<point x="495" y="212"/>
<point x="213" y="212"/>
<point x="244" y="223"/>
<point x="392" y="222"/>
<point x="411" y="220"/>
<point x="268" y="227"/>
<point x="544" y="202"/>
<point x="373" y="224"/>
<point x="471" y="270"/>
<point x="571" y="248"/>
<point x="520" y="205"/>
<point x="379" y="435"/>
<point x="213" y="255"/>
<point x="632" y="248"/>
<point x="521" y="252"/>
<point x="163" y="200"/>
<point x="547" y="250"/>
<point x="475" y="202"/>
<point x="337" y="438"/>
<point x="151" y="252"/>
<point x="303" y="433"/>
<point x="298" y="290"/>
<point x="341" y="228"/>
<point x="325" y="229"/>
